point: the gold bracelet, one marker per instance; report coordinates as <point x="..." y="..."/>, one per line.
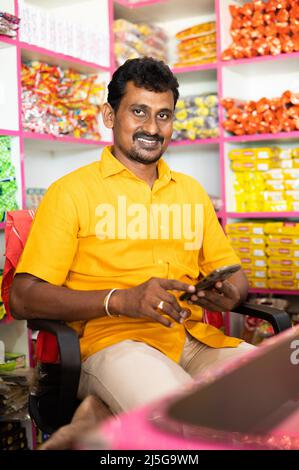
<point x="106" y="302"/>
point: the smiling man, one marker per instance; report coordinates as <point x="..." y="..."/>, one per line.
<point x="116" y="274"/>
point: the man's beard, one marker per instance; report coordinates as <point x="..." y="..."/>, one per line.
<point x="136" y="156"/>
<point x="140" y="155"/>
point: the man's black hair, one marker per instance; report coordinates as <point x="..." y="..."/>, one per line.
<point x="153" y="75"/>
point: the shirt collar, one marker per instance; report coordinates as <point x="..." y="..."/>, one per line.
<point x="111" y="166"/>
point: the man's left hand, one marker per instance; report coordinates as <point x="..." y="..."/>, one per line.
<point x="222" y="298"/>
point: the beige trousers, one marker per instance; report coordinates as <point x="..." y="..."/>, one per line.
<point x="130" y="373"/>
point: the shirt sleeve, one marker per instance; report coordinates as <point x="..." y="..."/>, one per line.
<point x="53" y="238"/>
<point x="216" y="250"/>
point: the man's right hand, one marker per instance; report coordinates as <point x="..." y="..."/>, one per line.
<point x="143" y="301"/>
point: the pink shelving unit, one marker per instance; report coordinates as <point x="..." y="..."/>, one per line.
<point x="28" y="51"/>
<point x="262" y="215"/>
<point x="181" y="143"/>
<point x="9" y="132"/>
<point x="8" y="40"/>
<point x="138" y="4"/>
<point x="261" y="137"/>
<point x="256" y="60"/>
<point x="273" y="291"/>
<point x="194" y="68"/>
<point x="63" y="139"/>
<point x="219" y="69"/>
<point x="59" y="58"/>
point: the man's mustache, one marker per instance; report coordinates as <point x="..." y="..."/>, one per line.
<point x="143" y="135"/>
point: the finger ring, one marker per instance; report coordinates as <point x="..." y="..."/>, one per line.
<point x="160" y="306"/>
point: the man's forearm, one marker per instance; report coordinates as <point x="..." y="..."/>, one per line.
<point x="33" y="298"/>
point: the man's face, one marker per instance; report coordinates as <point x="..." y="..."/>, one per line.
<point x="142" y="125"/>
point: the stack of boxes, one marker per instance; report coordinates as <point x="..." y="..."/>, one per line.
<point x="269" y="253"/>
<point x="266" y="179"/>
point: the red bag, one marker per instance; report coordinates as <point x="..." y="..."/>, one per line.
<point x="17" y="229"/>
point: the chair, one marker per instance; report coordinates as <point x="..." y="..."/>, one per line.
<point x="53" y="399"/>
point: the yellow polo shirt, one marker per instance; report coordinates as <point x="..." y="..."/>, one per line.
<point x="101" y="227"/>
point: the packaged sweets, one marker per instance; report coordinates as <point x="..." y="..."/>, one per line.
<point x="275" y="185"/>
<point x="197" y="45"/>
<point x="253" y="261"/>
<point x="277" y="260"/>
<point x="249" y="250"/>
<point x="133" y="40"/>
<point x="245" y="227"/>
<point x="288" y="284"/>
<point x="281" y="228"/>
<point x="263" y="28"/>
<point x="252" y="240"/>
<point x="61" y="102"/>
<point x="9" y="24"/>
<point x="265" y="179"/>
<point x="282" y="262"/>
<point x="258" y="283"/>
<point x="283" y="273"/>
<point x="259" y="153"/>
<point x="287" y="251"/>
<point x="197" y="30"/>
<point x="291" y="174"/>
<point x="196" y="117"/>
<point x="265" y="116"/>
<point x="251" y="165"/>
<point x="283" y="240"/>
<point x="254" y="272"/>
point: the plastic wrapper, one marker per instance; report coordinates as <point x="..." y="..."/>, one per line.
<point x="188" y="44"/>
<point x="249" y="250"/>
<point x="263" y="116"/>
<point x="283" y="240"/>
<point x="133" y="40"/>
<point x="197" y="30"/>
<point x="9" y="24"/>
<point x="253" y="262"/>
<point x="197" y="45"/>
<point x="279" y="258"/>
<point x="283" y="273"/>
<point x="258" y="283"/>
<point x="196" y="61"/>
<point x="258" y="153"/>
<point x="256" y="272"/>
<point x="288" y="284"/>
<point x="247" y="239"/>
<point x="196" y="117"/>
<point x="249" y="228"/>
<point x="61" y="102"/>
<point x="263" y="28"/>
<point x="282" y="228"/>
<point x="265" y="179"/>
<point x="283" y="262"/>
<point x="287" y="251"/>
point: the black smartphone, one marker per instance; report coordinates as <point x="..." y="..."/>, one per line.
<point x="210" y="280"/>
